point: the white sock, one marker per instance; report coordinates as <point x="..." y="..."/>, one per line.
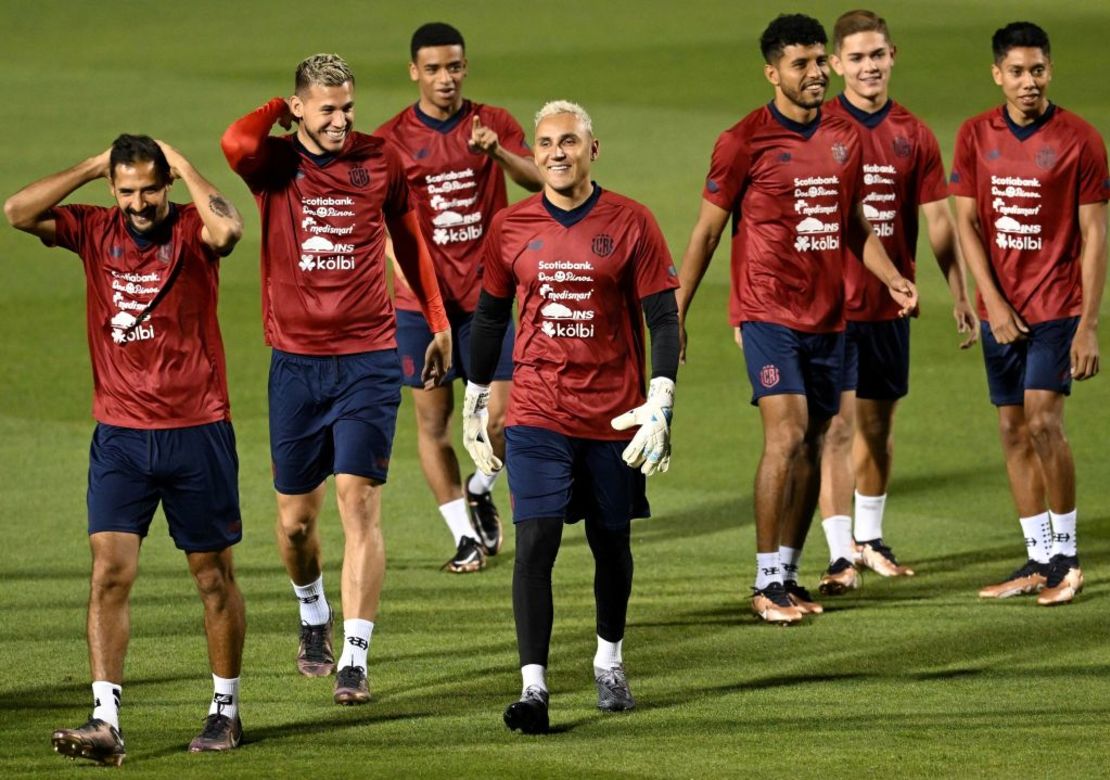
<point x="314" y="604"/>
<point x="356" y="643"/>
<point x="106" y="697"/>
<point x="533" y="675"/>
<point x="225" y="697"/>
<point x="608" y="654"/>
<point x="791" y="559"/>
<point x="1063" y="533"/>
<point x="480" y="483"/>
<point x="767" y="569"/>
<point x="457" y="517"/>
<point x="838" y="533"/>
<point x="869" y="517"/>
<point x="1038" y="536"/>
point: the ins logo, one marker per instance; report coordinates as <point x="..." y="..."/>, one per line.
<point x="769" y="376"/>
<point x="359" y="177"/>
<point x="603" y="245"/>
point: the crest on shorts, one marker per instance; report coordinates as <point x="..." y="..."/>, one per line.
<point x="359" y="177"/>
<point x="1045" y="158"/>
<point x="902" y="147"/>
<point x="769" y="376"/>
<point x="603" y="245"/>
<point x="840" y="153"/>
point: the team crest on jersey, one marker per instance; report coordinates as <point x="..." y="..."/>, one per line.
<point x="359" y="177"/>
<point x="603" y="245"/>
<point x="769" y="376"/>
<point x="994" y="154"/>
<point x="164" y="253"/>
<point x="1045" y="158"/>
<point x="712" y="186"/>
<point x="536" y="244"/>
<point x="902" y="147"/>
<point x="840" y="153"/>
<point x="420" y="154"/>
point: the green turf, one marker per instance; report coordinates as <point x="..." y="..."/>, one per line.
<point x="907" y="678"/>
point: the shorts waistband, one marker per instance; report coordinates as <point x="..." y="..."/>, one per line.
<point x="318" y="359"/>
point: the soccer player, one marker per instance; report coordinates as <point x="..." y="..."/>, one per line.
<point x="790" y="176"/>
<point x="326" y="195"/>
<point x="1031" y="185"/>
<point x="903" y="173"/>
<point x="456" y="154"/>
<point x="582" y="262"/>
<point x="163" y="431"/>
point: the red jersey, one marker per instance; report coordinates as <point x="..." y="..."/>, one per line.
<point x="902" y="169"/>
<point x="1028" y="183"/>
<point x="579" y="277"/>
<point x="791" y="189"/>
<point x="324" y="221"/>
<point x="167" y="371"/>
<point x="456" y="190"/>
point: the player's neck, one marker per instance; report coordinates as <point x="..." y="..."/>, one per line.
<point x="867" y="104"/>
<point x="441" y="114"/>
<point x="569" y="201"/>
<point x="1022" y="118"/>
<point x="793" y="111"/>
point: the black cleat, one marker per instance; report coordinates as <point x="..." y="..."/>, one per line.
<point x="469" y="557"/>
<point x="315" y="657"/>
<point x="219" y="733"/>
<point x="97" y="741"/>
<point x="351" y="686"/>
<point x="485" y="519"/>
<point x="529" y="715"/>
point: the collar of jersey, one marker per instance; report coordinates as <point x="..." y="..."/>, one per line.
<point x="576" y="214"/>
<point x="442" y="125"/>
<point x="160" y="235"/>
<point x="805" y="131"/>
<point x="320" y="159"/>
<point x="1021" y="133"/>
<point x="868" y="119"/>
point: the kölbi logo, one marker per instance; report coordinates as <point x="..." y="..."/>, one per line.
<point x="578" y="330"/>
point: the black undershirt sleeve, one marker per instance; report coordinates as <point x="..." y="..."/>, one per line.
<point x="487" y="331"/>
<point x="661" y="316"/>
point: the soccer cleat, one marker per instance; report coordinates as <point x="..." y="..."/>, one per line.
<point x="613" y="694"/>
<point x="97" y="741"/>
<point x="839" y="578"/>
<point x="801" y="598"/>
<point x="468" y="558"/>
<point x="351" y="686"/>
<point x="485" y="519"/>
<point x="315" y="657"/>
<point x="1030" y="578"/>
<point x="529" y="714"/>
<point x="1065" y="580"/>
<point x="219" y="733"/>
<point x="773" y="605"/>
<point x="880" y="559"/>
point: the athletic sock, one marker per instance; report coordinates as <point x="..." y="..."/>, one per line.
<point x="480" y="483"/>
<point x="869" y="517"/>
<point x="457" y="517"/>
<point x="767" y="569"/>
<point x="533" y="675"/>
<point x="791" y="559"/>
<point x="225" y="697"/>
<point x="315" y="610"/>
<point x="1038" y="536"/>
<point x="838" y="533"/>
<point x="356" y="643"/>
<point x="608" y="654"/>
<point x="106" y="697"/>
<point x="1063" y="533"/>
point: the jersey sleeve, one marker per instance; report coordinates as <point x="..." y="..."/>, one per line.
<point x="509" y="132"/>
<point x="962" y="180"/>
<point x="192" y="224"/>
<point x="69" y="225"/>
<point x="931" y="184"/>
<point x="251" y="152"/>
<point x="653" y="269"/>
<point x="1094" y="178"/>
<point x="397" y="200"/>
<point x="496" y="277"/>
<point x="728" y="171"/>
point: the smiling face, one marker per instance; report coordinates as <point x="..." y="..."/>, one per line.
<point x="325" y="116"/>
<point x="1024" y="74"/>
<point x="865" y="60"/>
<point x="439" y="71"/>
<point x="564" y="151"/>
<point x="141" y="193"/>
<point x="800" y="76"/>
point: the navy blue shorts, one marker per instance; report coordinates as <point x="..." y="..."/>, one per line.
<point x="193" y="471"/>
<point x="784" y="361"/>
<point x="877" y="359"/>
<point x="414" y="336"/>
<point x="553" y="475"/>
<point x="1040" y="361"/>
<point x="332" y="415"/>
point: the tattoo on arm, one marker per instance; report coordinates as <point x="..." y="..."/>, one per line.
<point x="220" y="206"/>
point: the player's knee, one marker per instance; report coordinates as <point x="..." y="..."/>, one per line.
<point x="434" y="425"/>
<point x="297" y="528"/>
<point x="537" y="544"/>
<point x="786" y="440"/>
<point x="839" y="436"/>
<point x="1013" y="432"/>
<point x="1045" y="430"/>
<point x="214" y="582"/>
<point x="112" y="577"/>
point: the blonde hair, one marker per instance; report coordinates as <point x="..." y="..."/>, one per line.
<point x="323" y="70"/>
<point x="554" y="107"/>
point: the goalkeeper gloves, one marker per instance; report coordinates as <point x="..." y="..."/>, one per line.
<point x="476" y="430"/>
<point x="650" y="448"/>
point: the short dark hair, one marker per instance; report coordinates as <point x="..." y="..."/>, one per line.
<point x="790" y="30"/>
<point x="435" y="34"/>
<point x="128" y="149"/>
<point x="1019" y="34"/>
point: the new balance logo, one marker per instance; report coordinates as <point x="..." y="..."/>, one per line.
<point x="357" y="641"/>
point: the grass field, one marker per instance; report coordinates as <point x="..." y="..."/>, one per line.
<point x="908" y="678"/>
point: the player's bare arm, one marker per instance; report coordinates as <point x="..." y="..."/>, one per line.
<point x="1006" y="325"/>
<point x="704" y="239"/>
<point x="223" y="225"/>
<point x="29" y="209"/>
<point x="942" y="239"/>
<point x="521" y="170"/>
<point x="1084" y="346"/>
<point x="868" y="246"/>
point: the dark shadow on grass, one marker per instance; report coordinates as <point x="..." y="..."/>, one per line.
<point x="47" y="697"/>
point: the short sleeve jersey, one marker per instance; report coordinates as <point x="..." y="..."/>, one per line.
<point x="1028" y="183"/>
<point x="579" y="278"/>
<point x="902" y="169"/>
<point x="457" y="191"/>
<point x="168" y="370"/>
<point x="324" y="288"/>
<point x="791" y="189"/>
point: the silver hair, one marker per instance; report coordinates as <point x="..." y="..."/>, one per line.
<point x="554" y="107"/>
<point x="323" y="70"/>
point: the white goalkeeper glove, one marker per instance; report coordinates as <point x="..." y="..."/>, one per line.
<point x="650" y="448"/>
<point x="476" y="429"/>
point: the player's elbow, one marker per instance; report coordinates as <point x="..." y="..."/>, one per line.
<point x="228" y="238"/>
<point x="18" y="217"/>
<point x="236" y="148"/>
